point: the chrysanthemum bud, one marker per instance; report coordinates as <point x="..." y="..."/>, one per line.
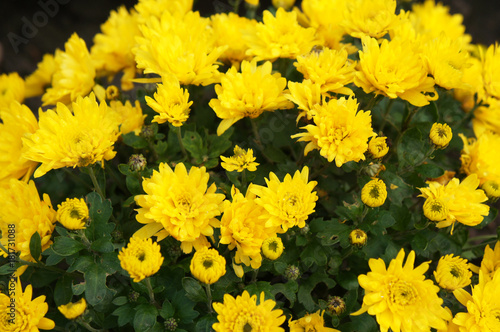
<point x="358" y="237"/>
<point x="440" y="135"/>
<point x="435" y="209"/>
<point x="336" y="305"/>
<point x="174" y="252"/>
<point x="117" y="235"/>
<point x="147" y="132"/>
<point x="272" y="247"/>
<point x="254" y="3"/>
<point x="304" y="230"/>
<point x="137" y="163"/>
<point x="377" y="147"/>
<point x="73" y="213"/>
<point x="207" y="265"/>
<point x="285" y="4"/>
<point x="292" y="272"/>
<point x="374" y="193"/>
<point x="133" y="296"/>
<point x="492" y="189"/>
<point x="171" y="324"/>
<point x="452" y="273"/>
<point x="112" y="92"/>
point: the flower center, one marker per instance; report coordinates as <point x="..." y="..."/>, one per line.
<point x="374" y="192"/>
<point x="402" y="293"/>
<point x="441" y="132"/>
<point x="208" y="263"/>
<point x="141" y="255"/>
<point x="273" y="246"/>
<point x="455" y="271"/>
<point x="75" y="214"/>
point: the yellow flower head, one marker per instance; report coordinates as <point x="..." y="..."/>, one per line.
<point x="288" y="203"/>
<point x="305" y="95"/>
<point x="242" y="314"/>
<point x="280" y="37"/>
<point x="15" y="122"/>
<point x="112" y="49"/>
<point x="242" y="160"/>
<point x="23" y="213"/>
<point x="310" y="322"/>
<point x="41" y="77"/>
<point x="374" y="193"/>
<point x="229" y="30"/>
<point x="491" y="261"/>
<point x="491" y="71"/>
<point x="248" y="94"/>
<point x="400" y="297"/>
<point x="358" y="237"/>
<point x="81" y="137"/>
<point x="29" y="314"/>
<point x="141" y="258"/>
<point x="207" y="265"/>
<point x="440" y="135"/>
<point x="285" y="4"/>
<point x="377" y="146"/>
<point x="272" y="247"/>
<point x="179" y="204"/>
<point x="74" y="74"/>
<point x="130" y="118"/>
<point x="243" y="228"/>
<point x="155" y="8"/>
<point x="73" y="213"/>
<point x="73" y="310"/>
<point x="12" y="88"/>
<point x="483" y="306"/>
<point x="171" y="102"/>
<point x="331" y="69"/>
<point x="487" y="117"/>
<point x="394" y="69"/>
<point x="492" y="189"/>
<point x="477" y="157"/>
<point x="455" y="201"/>
<point x="340" y="131"/>
<point x="179" y="45"/>
<point x="369" y="17"/>
<point x="112" y="92"/>
<point x="452" y="273"/>
<point x="252" y="2"/>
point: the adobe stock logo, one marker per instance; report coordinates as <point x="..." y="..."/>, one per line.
<point x="29" y="30"/>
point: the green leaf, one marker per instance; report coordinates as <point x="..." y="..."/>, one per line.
<point x="78" y="289"/>
<point x="411" y="147"/>
<point x="167" y="310"/>
<point x="194" y="291"/>
<point x="313" y="253"/>
<point x="103" y="245"/>
<point x="100" y="211"/>
<point x="120" y="300"/>
<point x="36" y="246"/>
<point x="429" y="170"/>
<point x="205" y="324"/>
<point x="348" y="280"/>
<point x="81" y="264"/>
<point x="259" y="287"/>
<point x="275" y="154"/>
<point x="289" y="290"/>
<point x="217" y="145"/>
<point x="110" y="262"/>
<point x="125" y="314"/>
<point x="306" y="289"/>
<point x="95" y="288"/>
<point x="133" y="184"/>
<point x="61" y="294"/>
<point x="145" y="317"/>
<point x="137" y="142"/>
<point x="66" y="246"/>
<point x="184" y="308"/>
<point x="194" y="144"/>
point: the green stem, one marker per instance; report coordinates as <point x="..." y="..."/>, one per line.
<point x="153" y="150"/>
<point x="209" y="298"/>
<point x="95" y="182"/>
<point x="88" y="327"/>
<point x="254" y="276"/>
<point x="49" y="268"/>
<point x="76" y="178"/>
<point x="490" y="239"/>
<point x="243" y="179"/>
<point x="179" y="137"/>
<point x="236" y="5"/>
<point x="386" y="113"/>
<point x="151" y="294"/>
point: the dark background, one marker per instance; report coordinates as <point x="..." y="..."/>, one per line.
<point x="481" y="18"/>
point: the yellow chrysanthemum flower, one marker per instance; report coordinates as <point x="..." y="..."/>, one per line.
<point x="248" y="94"/>
<point x="15" y="122"/>
<point x="179" y="204"/>
<point x="229" y="30"/>
<point x="74" y="74"/>
<point x="305" y="95"/>
<point x="310" y="322"/>
<point x="272" y="247"/>
<point x="285" y="4"/>
<point x="456" y="201"/>
<point x="491" y="71"/>
<point x="22" y="213"/>
<point x="492" y="189"/>
<point x="329" y="68"/>
<point x="430" y="19"/>
<point x="41" y="77"/>
<point x="242" y="314"/>
<point x="477" y="157"/>
<point x="171" y="102"/>
<point x="487" y="117"/>
<point x="377" y="146"/>
<point x="394" y="69"/>
<point x="288" y="203"/>
<point x="280" y="37"/>
<point x="73" y="213"/>
<point x="130" y="118"/>
<point x="155" y="8"/>
<point x="400" y="297"/>
<point x="179" y="45"/>
<point x="28" y="314"/>
<point x="70" y="139"/>
<point x="452" y="272"/>
<point x="491" y="261"/>
<point x="12" y="88"/>
<point x="73" y="310"/>
<point x="141" y="258"/>
<point x="242" y="160"/>
<point x="340" y="131"/>
<point x="207" y="265"/>
<point x="371" y="18"/>
<point x="440" y="135"/>
<point x="374" y="193"/>
<point x="483" y="306"/>
<point x="112" y="49"/>
<point x="243" y="228"/>
<point x="112" y="92"/>
<point x="358" y="237"/>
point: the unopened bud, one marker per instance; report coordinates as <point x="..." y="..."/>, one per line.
<point x="137" y="162"/>
<point x="292" y="272"/>
<point x="336" y="305"/>
<point x="358" y="238"/>
<point x="171" y="324"/>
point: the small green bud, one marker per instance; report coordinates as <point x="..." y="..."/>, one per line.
<point x="137" y="163"/>
<point x="336" y="305"/>
<point x="171" y="324"/>
<point x="292" y="272"/>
